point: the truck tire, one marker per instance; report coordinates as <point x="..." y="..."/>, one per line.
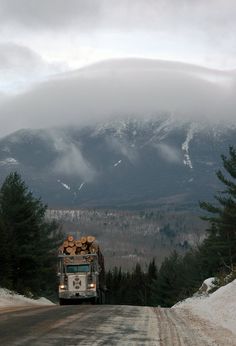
<point x="94" y="301"/>
<point x="62" y="301"/>
<point x="102" y="297"/>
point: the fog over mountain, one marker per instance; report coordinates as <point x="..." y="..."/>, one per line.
<point x="123" y="163"/>
<point x="124" y="88"/>
<point x="125" y="132"/>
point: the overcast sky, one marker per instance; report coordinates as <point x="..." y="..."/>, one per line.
<point x="78" y="32"/>
<point x="40" y="39"/>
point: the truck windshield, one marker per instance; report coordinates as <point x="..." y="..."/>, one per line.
<point x="77" y="268"/>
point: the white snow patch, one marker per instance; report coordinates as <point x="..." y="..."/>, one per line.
<point x="185" y="147"/>
<point x="129" y="256"/>
<point x="81" y="185"/>
<point x="117" y="163"/>
<point x="9" y="298"/>
<point x="64" y="185"/>
<point x="218" y="307"/>
<point x="207" y="285"/>
<point x="9" y="161"/>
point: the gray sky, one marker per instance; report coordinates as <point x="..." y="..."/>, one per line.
<point x="41" y="39"/>
<point x="83" y="31"/>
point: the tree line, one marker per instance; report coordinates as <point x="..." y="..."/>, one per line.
<point x="180" y="276"/>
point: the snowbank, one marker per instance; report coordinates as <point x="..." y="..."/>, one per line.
<point x="219" y="307"/>
<point x="9" y="298"/>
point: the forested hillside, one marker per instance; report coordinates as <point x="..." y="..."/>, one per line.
<point x="178" y="276"/>
<point x="130" y="236"/>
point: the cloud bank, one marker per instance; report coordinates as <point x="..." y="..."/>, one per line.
<point x="129" y="87"/>
<point x="126" y="14"/>
<point x="80" y="32"/>
<point x="20" y="66"/>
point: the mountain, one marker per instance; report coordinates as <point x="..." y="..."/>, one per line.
<point x="130" y="162"/>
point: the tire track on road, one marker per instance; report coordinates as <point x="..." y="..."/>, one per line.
<point x="181" y="329"/>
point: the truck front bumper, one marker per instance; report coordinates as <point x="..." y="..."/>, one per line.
<point x="77" y="295"/>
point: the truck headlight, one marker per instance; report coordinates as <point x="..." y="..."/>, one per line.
<point x="92" y="285"/>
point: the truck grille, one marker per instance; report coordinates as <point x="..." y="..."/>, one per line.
<point x="77" y="283"/>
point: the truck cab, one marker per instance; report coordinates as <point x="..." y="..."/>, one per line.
<point x="79" y="279"/>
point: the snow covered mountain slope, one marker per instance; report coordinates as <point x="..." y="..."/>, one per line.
<point x="127" y="162"/>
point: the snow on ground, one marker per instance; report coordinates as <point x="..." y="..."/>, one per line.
<point x="9" y="298"/>
<point x="218" y="307"/>
<point x="9" y="161"/>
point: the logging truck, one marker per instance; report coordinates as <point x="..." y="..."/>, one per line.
<point x="81" y="271"/>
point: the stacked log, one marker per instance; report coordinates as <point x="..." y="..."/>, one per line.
<point x="83" y="246"/>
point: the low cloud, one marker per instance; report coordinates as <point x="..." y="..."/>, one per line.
<point x="132" y="87"/>
<point x="70" y="160"/>
<point x="169" y="153"/>
<point x="124" y="148"/>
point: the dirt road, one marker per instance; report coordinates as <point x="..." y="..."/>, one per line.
<point x="107" y="325"/>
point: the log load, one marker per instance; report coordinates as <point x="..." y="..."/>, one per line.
<point x="82" y="246"/>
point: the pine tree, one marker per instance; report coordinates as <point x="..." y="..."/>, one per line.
<point x="221" y="242"/>
<point x="151" y="283"/>
<point x="32" y="241"/>
<point x="170" y="280"/>
<point x="5" y="258"/>
<point x="138" y="286"/>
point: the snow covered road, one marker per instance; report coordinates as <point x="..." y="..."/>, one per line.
<point x="108" y="325"/>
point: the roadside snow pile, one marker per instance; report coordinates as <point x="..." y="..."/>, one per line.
<point x="219" y="307"/>
<point x="9" y="298"/>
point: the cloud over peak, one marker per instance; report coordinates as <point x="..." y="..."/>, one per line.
<point x="117" y="88"/>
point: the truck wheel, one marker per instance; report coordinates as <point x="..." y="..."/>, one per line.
<point x="93" y="301"/>
<point x="62" y="301"/>
<point x="102" y="298"/>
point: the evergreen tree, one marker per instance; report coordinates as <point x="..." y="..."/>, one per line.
<point x="172" y="280"/>
<point x="138" y="286"/>
<point x="5" y="258"/>
<point x="221" y="242"/>
<point x="32" y="241"/>
<point x="151" y="283"/>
